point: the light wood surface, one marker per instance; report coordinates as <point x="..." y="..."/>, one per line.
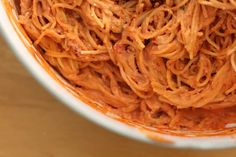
<point x="35" y="124"/>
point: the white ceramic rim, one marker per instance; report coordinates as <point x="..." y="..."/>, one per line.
<point x="19" y="49"/>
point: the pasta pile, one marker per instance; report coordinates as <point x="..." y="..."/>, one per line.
<point x="161" y="63"/>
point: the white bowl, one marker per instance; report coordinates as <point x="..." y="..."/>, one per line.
<point x="21" y="48"/>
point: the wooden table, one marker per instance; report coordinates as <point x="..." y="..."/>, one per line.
<point x="35" y="124"/>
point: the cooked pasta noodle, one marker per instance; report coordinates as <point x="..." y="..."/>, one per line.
<point x="162" y="63"/>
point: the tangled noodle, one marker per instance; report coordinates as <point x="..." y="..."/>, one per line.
<point x="162" y="63"/>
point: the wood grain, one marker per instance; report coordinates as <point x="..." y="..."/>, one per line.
<point x="34" y="124"/>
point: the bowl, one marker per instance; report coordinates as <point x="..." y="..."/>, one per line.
<point x="33" y="61"/>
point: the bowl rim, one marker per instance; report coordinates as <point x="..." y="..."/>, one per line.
<point x="7" y="30"/>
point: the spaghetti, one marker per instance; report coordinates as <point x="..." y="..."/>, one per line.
<point x="161" y="63"/>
